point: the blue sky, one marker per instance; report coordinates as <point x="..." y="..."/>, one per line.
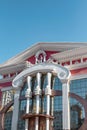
<point x="25" y="22"/>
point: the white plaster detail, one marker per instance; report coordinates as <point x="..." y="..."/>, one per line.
<point x="28" y="93"/>
<point x="43" y="67"/>
<point x="40" y="56"/>
<point x="18" y="83"/>
<point x="37" y="91"/>
<point x="48" y="99"/>
<point x="66" y="109"/>
<point x="7" y="96"/>
<point x="49" y="68"/>
<point x="47" y="91"/>
<point x="15" y="110"/>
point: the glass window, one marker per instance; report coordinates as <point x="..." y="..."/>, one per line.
<point x="22" y="110"/>
<point x="79" y="87"/>
<point x="8" y="119"/>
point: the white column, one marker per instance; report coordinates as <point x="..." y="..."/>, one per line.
<point x="28" y="95"/>
<point x="52" y="107"/>
<point x="48" y="93"/>
<point x="37" y="93"/>
<point x="66" y="108"/>
<point x="15" y="110"/>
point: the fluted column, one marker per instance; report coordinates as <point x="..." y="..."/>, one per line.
<point x="48" y="93"/>
<point x="28" y="95"/>
<point x="37" y="93"/>
<point x="66" y="108"/>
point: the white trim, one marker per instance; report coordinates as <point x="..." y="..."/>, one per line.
<point x="7" y="79"/>
<point x="76" y="66"/>
<point x="50" y="46"/>
<point x="13" y="68"/>
<point x="62" y="72"/>
<point x="15" y="110"/>
<point x="78" y="77"/>
<point x="6" y="88"/>
<point x="70" y="54"/>
<point x="66" y="107"/>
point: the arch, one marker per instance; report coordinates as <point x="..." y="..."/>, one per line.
<point x="2" y="114"/>
<point x="81" y="100"/>
<point x="40" y="52"/>
<point x="62" y="73"/>
<point x="84" y="103"/>
<point x="43" y="59"/>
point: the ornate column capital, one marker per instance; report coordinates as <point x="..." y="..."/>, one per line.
<point x="47" y="90"/>
<point x="17" y="84"/>
<point x="63" y="78"/>
<point x="37" y="91"/>
<point x="28" y="93"/>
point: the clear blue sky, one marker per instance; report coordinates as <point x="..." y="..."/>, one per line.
<point x="25" y="22"/>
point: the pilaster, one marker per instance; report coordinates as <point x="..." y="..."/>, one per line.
<point x="66" y="108"/>
<point x="15" y="110"/>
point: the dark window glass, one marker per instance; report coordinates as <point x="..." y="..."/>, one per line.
<point x="8" y="119"/>
<point x="79" y="87"/>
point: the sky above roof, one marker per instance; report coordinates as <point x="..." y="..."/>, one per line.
<point x="26" y="22"/>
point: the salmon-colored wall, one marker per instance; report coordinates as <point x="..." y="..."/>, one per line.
<point x="79" y="71"/>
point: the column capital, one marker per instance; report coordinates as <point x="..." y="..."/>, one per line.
<point x="37" y="91"/>
<point x="17" y="84"/>
<point x="28" y="93"/>
<point x="47" y="90"/>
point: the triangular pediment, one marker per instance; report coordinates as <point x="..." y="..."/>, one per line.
<point x="51" y="47"/>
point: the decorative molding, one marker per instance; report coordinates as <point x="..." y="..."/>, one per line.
<point x="75" y="53"/>
<point x="74" y="77"/>
<point x="43" y="67"/>
<point x="4" y="80"/>
<point x="42" y="58"/>
<point x="28" y="93"/>
<point x="56" y="46"/>
<point x="37" y="91"/>
<point x="18" y="83"/>
<point x="47" y="90"/>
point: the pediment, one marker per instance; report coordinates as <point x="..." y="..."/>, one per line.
<point x="51" y="47"/>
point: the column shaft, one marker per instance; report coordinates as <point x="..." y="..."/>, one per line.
<point x="66" y="110"/>
<point x="28" y="96"/>
<point x="15" y="110"/>
<point x="48" y="104"/>
<point x="48" y="92"/>
<point x="37" y="93"/>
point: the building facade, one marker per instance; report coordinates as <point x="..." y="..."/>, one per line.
<point x="45" y="88"/>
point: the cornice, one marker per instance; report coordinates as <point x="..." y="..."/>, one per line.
<point x="75" y="77"/>
<point x="5" y="80"/>
<point x="12" y="68"/>
<point x="70" y="54"/>
<point x="76" y="66"/>
<point x="50" y="46"/>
